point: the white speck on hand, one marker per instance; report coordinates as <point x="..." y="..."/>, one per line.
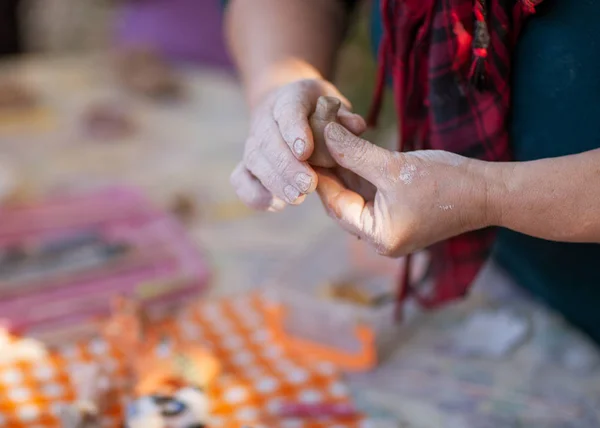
<point x="407" y="173"/>
<point x="446" y="207"/>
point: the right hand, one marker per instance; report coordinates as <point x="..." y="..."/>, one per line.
<point x="274" y="171"/>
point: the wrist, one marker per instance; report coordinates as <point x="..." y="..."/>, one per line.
<point x="495" y="177"/>
<point x="277" y="75"/>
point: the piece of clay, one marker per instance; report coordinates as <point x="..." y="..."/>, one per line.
<point x="145" y="72"/>
<point x="108" y="122"/>
<point x="325" y="112"/>
<point x="16" y="96"/>
<point x="184" y="207"/>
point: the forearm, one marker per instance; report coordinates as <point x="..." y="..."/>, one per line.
<point x="275" y="42"/>
<point x="556" y="199"/>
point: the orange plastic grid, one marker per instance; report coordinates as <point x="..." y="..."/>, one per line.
<point x="257" y="373"/>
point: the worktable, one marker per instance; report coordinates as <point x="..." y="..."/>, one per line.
<point x="190" y="147"/>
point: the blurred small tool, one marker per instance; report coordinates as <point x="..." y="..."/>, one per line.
<point x="360" y="291"/>
<point x="59" y="256"/>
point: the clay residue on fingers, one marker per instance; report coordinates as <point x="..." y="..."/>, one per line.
<point x="325" y="113"/>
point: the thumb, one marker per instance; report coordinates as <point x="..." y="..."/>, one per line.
<point x="356" y="154"/>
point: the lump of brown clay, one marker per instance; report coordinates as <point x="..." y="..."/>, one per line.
<point x="146" y="73"/>
<point x="325" y="112"/>
<point x="184" y="207"/>
<point x="16" y="96"/>
<point x="108" y="122"/>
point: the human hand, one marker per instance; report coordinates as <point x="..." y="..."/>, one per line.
<point x="422" y="197"/>
<point x="274" y="171"/>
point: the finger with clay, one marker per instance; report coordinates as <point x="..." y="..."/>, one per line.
<point x="326" y="112"/>
<point x="281" y="152"/>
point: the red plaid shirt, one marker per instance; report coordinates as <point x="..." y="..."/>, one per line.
<point x="450" y="63"/>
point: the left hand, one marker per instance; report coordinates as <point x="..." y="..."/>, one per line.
<point x="422" y="197"/>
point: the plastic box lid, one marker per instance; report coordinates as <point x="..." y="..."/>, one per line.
<point x="335" y="329"/>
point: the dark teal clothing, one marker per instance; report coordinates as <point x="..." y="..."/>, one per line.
<point x="556" y="112"/>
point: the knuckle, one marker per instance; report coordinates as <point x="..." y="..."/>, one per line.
<point x="273" y="181"/>
<point x="250" y="155"/>
<point x="282" y="161"/>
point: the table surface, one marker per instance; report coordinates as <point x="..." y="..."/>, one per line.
<point x="190" y="147"/>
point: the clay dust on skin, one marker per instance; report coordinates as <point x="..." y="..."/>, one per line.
<point x="407" y="173"/>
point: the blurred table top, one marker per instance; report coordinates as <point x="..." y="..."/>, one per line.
<point x="190" y="147"/>
<point x="187" y="147"/>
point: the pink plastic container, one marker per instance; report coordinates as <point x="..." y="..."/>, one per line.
<point x="162" y="268"/>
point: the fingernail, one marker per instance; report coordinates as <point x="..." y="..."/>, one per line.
<point x="304" y="181"/>
<point x="299" y="146"/>
<point x="291" y="193"/>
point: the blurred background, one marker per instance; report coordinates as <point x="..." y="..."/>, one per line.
<point x="67" y="27"/>
<point x="120" y="122"/>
